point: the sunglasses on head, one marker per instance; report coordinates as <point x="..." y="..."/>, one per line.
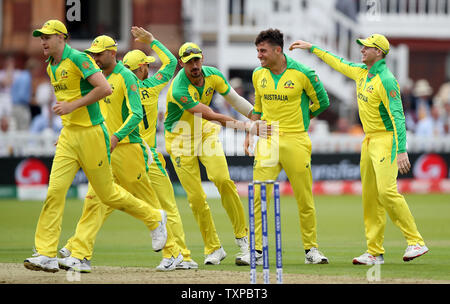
<point x="383" y="50"/>
<point x="191" y="50"/>
<point x="115" y="44"/>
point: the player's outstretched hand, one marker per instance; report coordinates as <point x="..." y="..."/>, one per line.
<point x="260" y="128"/>
<point x="141" y="35"/>
<point x="300" y="44"/>
<point x="248" y="145"/>
<point x="403" y="163"/>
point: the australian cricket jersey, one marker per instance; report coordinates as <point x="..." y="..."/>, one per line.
<point x="69" y="80"/>
<point x="150" y="89"/>
<point x="378" y="95"/>
<point x="183" y="95"/>
<point x="123" y="109"/>
<point x="288" y="99"/>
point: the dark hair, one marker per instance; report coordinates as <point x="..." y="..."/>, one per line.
<point x="272" y="36"/>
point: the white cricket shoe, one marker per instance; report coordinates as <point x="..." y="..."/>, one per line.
<point x="314" y="256"/>
<point x="414" y="251"/>
<point x="215" y="257"/>
<point x="41" y="262"/>
<point x="243" y="245"/>
<point x="64" y="253"/>
<point x="187" y="265"/>
<point x="368" y="259"/>
<point x="69" y="262"/>
<point x="244" y="260"/>
<point x="83" y="267"/>
<point x="159" y="234"/>
<point x="169" y="264"/>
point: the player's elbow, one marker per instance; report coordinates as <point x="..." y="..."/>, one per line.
<point x="107" y="90"/>
<point x="139" y="116"/>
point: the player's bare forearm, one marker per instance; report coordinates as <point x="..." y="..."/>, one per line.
<point x="256" y="127"/>
<point x="208" y="114"/>
<point x="101" y="90"/>
<point x="300" y="44"/>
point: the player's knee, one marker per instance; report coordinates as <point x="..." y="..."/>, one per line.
<point x="222" y="181"/>
<point x="56" y="189"/>
<point x="385" y="194"/>
<point x="197" y="202"/>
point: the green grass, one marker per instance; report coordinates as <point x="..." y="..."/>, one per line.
<point x="124" y="241"/>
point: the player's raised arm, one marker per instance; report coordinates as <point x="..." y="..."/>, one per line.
<point x="345" y="67"/>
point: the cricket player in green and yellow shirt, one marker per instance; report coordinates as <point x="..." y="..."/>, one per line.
<point x="84" y="142"/>
<point x="192" y="137"/>
<point x="150" y="88"/>
<point x="287" y="95"/>
<point x="129" y="159"/>
<point x="383" y="151"/>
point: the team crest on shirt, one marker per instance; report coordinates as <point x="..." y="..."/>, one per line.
<point x="196" y="96"/>
<point x="64" y="74"/>
<point x="289" y="84"/>
<point x="209" y="91"/>
<point x="263" y="83"/>
<point x="369" y="89"/>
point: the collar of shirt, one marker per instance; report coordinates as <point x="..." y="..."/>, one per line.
<point x="119" y="66"/>
<point x="378" y="67"/>
<point x="66" y="52"/>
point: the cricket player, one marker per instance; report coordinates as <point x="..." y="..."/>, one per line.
<point x="192" y="137"/>
<point x="383" y="151"/>
<point x="83" y="142"/>
<point x="287" y="95"/>
<point x="150" y="88"/>
<point x="123" y="111"/>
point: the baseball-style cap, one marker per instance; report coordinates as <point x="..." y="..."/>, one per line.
<point x="376" y="40"/>
<point x="102" y="43"/>
<point x="135" y="58"/>
<point x="51" y="27"/>
<point x="188" y="51"/>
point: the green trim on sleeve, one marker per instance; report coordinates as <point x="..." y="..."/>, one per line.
<point x="84" y="62"/>
<point x="392" y="88"/>
<point x="316" y="84"/>
<point x="210" y="71"/>
<point x="131" y="105"/>
<point x="168" y="60"/>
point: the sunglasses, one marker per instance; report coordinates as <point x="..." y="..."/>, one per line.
<point x="115" y="44"/>
<point x="383" y="50"/>
<point x="191" y="50"/>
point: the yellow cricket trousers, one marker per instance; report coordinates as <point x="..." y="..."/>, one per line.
<point x="291" y="152"/>
<point x="379" y="172"/>
<point x="164" y="190"/>
<point x="88" y="148"/>
<point x="186" y="165"/>
<point x="128" y="162"/>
